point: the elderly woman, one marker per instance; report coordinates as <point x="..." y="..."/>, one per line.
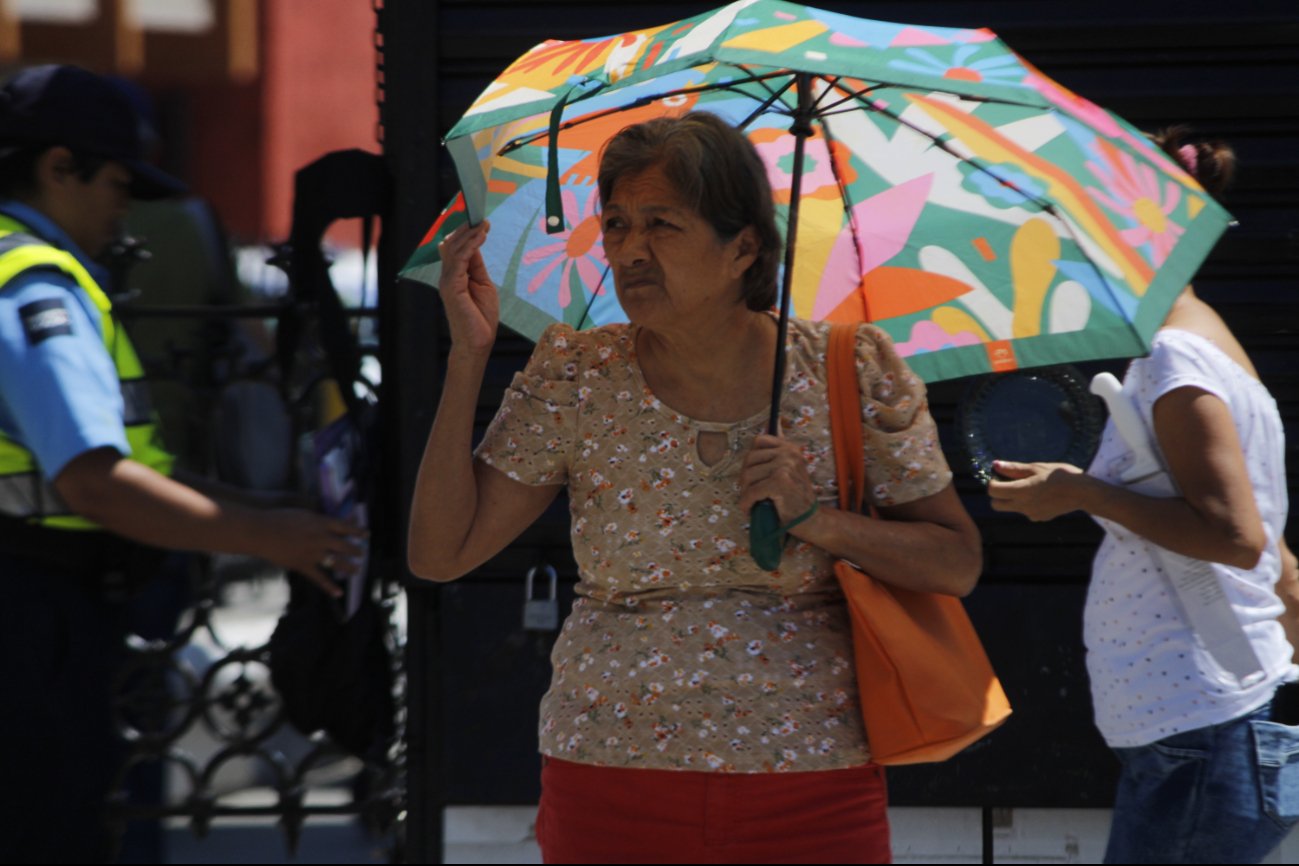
<point x="1209" y="771"/>
<point x="702" y="709"/>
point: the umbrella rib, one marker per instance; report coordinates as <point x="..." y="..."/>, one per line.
<point x="857" y="94"/>
<point x="762" y="109"/>
<point x="524" y="141"/>
<point x="760" y="80"/>
<point x="586" y="312"/>
<point x="1043" y="204"/>
<point x="816" y="103"/>
<point x="837" y="112"/>
<point x="1077" y="239"/>
<point x="849" y="95"/>
<point x="843" y="187"/>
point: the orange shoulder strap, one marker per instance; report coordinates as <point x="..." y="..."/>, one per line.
<point x="845" y="415"/>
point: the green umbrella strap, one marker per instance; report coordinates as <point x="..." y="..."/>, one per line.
<point x="554" y="204"/>
<point x="806" y="515"/>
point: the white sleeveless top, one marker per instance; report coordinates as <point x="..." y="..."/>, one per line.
<point x="1149" y="677"/>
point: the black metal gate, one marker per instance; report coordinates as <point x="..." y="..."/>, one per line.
<point x="208" y="735"/>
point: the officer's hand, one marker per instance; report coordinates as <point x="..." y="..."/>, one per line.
<point x="325" y="549"/>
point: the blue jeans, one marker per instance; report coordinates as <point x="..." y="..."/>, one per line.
<point x="1226" y="793"/>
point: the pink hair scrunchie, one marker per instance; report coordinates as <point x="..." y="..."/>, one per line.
<point x="1189" y="156"/>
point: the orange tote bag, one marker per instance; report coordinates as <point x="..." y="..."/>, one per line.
<point x="927" y="688"/>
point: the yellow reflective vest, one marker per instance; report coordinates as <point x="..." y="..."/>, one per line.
<point x="24" y="492"/>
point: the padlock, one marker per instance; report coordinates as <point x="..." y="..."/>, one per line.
<point x="541" y="614"/>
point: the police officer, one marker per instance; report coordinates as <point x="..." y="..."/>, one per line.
<point x="86" y="490"/>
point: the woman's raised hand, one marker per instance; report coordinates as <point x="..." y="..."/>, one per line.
<point x="472" y="303"/>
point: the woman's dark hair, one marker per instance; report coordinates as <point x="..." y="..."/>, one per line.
<point x="1212" y="163"/>
<point x="718" y="172"/>
<point x="18" y="167"/>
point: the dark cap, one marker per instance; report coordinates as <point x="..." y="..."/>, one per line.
<point x="66" y="105"/>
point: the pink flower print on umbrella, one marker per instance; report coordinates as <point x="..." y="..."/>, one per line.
<point x="1134" y="190"/>
<point x="776" y="147"/>
<point x="580" y="249"/>
<point x="1095" y="117"/>
<point x="884" y="222"/>
<point x="892" y="107"/>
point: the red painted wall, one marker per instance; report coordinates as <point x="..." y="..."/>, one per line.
<point x="319" y="91"/>
<point x="315" y="94"/>
<point x="222" y="143"/>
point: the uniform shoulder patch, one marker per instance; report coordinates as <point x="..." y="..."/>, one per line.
<point x="44" y="319"/>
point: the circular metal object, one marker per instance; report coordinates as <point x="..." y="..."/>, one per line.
<point x="1046" y="415"/>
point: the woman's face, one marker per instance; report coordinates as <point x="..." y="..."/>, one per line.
<point x="669" y="266"/>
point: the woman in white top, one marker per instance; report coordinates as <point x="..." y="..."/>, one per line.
<point x="1209" y="773"/>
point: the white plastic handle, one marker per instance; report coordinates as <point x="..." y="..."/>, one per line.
<point x="1128" y="421"/>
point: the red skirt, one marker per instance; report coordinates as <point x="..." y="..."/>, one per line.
<point x="594" y="814"/>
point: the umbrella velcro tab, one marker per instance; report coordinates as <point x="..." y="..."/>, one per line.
<point x="473" y="185"/>
<point x="554" y="202"/>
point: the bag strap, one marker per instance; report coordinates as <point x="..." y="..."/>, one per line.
<point x="845" y="415"/>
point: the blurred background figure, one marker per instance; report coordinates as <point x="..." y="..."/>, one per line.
<point x="89" y="497"/>
<point x="1205" y="756"/>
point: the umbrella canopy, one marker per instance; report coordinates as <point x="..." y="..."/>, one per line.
<point x="977" y="211"/>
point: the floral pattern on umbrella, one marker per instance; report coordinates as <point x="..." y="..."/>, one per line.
<point x="982" y="214"/>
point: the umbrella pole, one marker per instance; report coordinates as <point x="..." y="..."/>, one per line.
<point x="801" y="130"/>
<point x="766" y="536"/>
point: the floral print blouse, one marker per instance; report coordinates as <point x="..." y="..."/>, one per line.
<point x="680" y="652"/>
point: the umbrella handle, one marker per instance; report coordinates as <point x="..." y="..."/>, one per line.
<point x="766" y="536"/>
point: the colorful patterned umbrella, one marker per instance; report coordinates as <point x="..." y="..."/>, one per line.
<point x="981" y="214"/>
